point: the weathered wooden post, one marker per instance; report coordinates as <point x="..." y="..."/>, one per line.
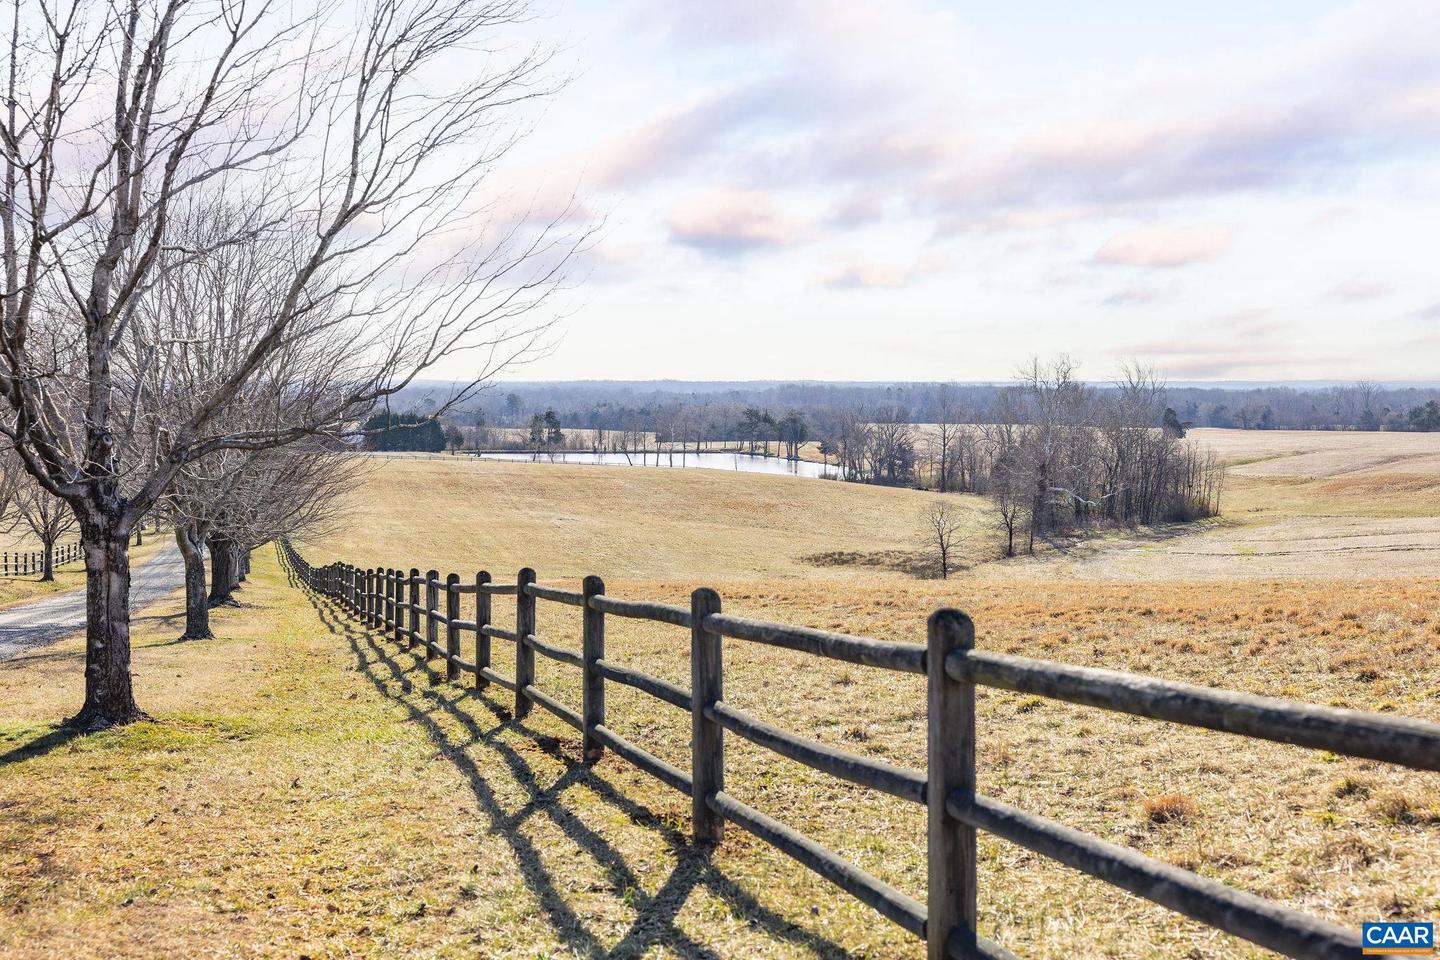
<point x="592" y="694"/>
<point x="432" y="607"/>
<point x="707" y="738"/>
<point x="399" y="624"/>
<point x="378" y="618"/>
<point x="367" y="599"/>
<point x="452" y="633"/>
<point x="951" y="750"/>
<point x="414" y="607"/>
<point x="524" y="655"/>
<point x="380" y="606"/>
<point x="388" y="604"/>
<point x="482" y="619"/>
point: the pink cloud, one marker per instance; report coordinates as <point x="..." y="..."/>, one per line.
<point x="1165" y="246"/>
<point x="860" y="271"/>
<point x="732" y="220"/>
<point x="866" y="273"/>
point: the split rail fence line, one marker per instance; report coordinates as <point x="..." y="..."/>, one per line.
<point x="22" y="563"/>
<point x="424" y="610"/>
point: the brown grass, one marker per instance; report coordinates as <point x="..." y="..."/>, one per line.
<point x="1169" y="808"/>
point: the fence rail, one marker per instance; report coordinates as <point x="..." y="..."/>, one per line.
<point x="22" y="563"/>
<point x="389" y="600"/>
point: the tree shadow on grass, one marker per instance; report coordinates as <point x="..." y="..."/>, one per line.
<point x="655" y="914"/>
<point x="38" y="746"/>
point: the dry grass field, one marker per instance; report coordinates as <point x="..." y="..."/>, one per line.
<point x="310" y="790"/>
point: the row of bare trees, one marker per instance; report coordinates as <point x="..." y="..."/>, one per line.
<point x="232" y="229"/>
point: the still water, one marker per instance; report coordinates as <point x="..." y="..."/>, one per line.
<point x="741" y="462"/>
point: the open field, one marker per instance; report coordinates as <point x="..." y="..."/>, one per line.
<point x="309" y="790"/>
<point x="567" y="521"/>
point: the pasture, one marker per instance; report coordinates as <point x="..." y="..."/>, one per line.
<point x="311" y="789"/>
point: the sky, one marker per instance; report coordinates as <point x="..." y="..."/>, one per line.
<point x="917" y="190"/>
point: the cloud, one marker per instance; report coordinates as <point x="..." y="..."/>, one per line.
<point x="1430" y="313"/>
<point x="1217" y="359"/>
<point x="1359" y="290"/>
<point x="1162" y="246"/>
<point x="1134" y="296"/>
<point x="1353" y="90"/>
<point x="670" y="143"/>
<point x="858" y="271"/>
<point x="866" y="273"/>
<point x="731" y="220"/>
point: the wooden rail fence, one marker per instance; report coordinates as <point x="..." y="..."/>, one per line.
<point x="415" y="609"/>
<point x="22" y="563"/>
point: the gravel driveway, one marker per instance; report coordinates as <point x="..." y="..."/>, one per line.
<point x="45" y="621"/>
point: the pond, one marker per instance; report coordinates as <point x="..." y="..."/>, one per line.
<point x="738" y="462"/>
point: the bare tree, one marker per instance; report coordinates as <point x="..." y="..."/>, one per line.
<point x="48" y="519"/>
<point x="941" y="526"/>
<point x="351" y="168"/>
<point x="944" y="440"/>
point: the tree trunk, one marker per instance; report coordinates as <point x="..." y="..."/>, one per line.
<point x="109" y="696"/>
<point x="47" y="562"/>
<point x="222" y="572"/>
<point x="197" y="603"/>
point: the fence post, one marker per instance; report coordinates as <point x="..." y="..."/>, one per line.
<point x="369" y="599"/>
<point x="524" y="655"/>
<point x="592" y="697"/>
<point x="389" y="602"/>
<point x="482" y="619"/>
<point x="414" y="607"/>
<point x="452" y="634"/>
<point x="432" y="606"/>
<point x="951" y="756"/>
<point x="377" y="600"/>
<point x="397" y="590"/>
<point x="366" y="605"/>
<point x="354" y="590"/>
<point x="707" y="738"/>
<point x="378" y="617"/>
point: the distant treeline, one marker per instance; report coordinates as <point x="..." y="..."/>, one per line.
<point x="619" y="408"/>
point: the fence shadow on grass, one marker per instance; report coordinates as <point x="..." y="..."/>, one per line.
<point x="388" y="668"/>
